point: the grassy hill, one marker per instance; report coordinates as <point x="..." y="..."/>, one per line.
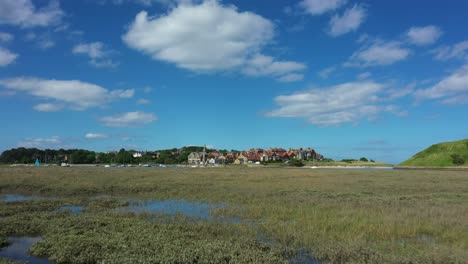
<point x="439" y="154"/>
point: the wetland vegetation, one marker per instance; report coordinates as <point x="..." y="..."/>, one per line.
<point x="336" y="216"/>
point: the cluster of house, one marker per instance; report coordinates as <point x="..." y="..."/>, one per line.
<point x="253" y="156"/>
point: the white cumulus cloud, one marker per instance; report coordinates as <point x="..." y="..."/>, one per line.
<point x="42" y="143"/>
<point x="6" y="57"/>
<point x="206" y="37"/>
<point x="450" y="90"/>
<point x="23" y="13"/>
<point x="48" y="107"/>
<point x="350" y="21"/>
<point x="97" y="53"/>
<point x="261" y="65"/>
<point x="457" y="51"/>
<point x="379" y="53"/>
<point x="93" y="50"/>
<point x="318" y="7"/>
<point x="129" y="119"/>
<point x="143" y="101"/>
<point x="95" y="136"/>
<point x="76" y="94"/>
<point x="325" y="73"/>
<point x="292" y="77"/>
<point x="6" y="37"/>
<point x="336" y="105"/>
<point x="422" y="36"/>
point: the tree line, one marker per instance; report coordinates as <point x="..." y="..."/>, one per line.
<point x="82" y="156"/>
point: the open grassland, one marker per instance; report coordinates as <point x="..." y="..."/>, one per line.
<point x="342" y="216"/>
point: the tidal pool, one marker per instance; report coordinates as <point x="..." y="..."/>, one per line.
<point x="303" y="257"/>
<point x="172" y="207"/>
<point x="75" y="209"/>
<point x="18" y="250"/>
<point x="17" y="198"/>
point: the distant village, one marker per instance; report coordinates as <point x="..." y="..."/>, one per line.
<point x="189" y="155"/>
<point x="254" y="155"/>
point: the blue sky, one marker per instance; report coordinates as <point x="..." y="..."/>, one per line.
<point x="380" y="79"/>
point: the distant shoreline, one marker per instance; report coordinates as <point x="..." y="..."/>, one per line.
<point x="357" y="167"/>
<point x="458" y="168"/>
<point x="349" y="167"/>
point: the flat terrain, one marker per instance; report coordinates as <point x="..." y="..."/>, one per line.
<point x="341" y="216"/>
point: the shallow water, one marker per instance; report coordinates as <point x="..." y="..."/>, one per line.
<point x="302" y="257"/>
<point x="75" y="209"/>
<point x="351" y="168"/>
<point x="18" y="250"/>
<point x="17" y="198"/>
<point x="191" y="209"/>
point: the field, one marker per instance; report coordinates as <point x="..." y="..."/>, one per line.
<point x="338" y="216"/>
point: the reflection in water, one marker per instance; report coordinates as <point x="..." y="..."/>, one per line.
<point x="191" y="209"/>
<point x="18" y="250"/>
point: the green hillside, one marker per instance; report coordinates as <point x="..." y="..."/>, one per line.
<point x="440" y="154"/>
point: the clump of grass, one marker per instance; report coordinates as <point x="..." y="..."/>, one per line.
<point x="105" y="203"/>
<point x="7" y="261"/>
<point x="121" y="239"/>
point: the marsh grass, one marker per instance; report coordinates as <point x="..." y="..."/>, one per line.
<point x="6" y="261"/>
<point x="342" y="216"/>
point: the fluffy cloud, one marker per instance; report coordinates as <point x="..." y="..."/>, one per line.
<point x="364" y="75"/>
<point x="5" y="37"/>
<point x="43" y="40"/>
<point x="422" y="36"/>
<point x="318" y="7"/>
<point x="142" y="2"/>
<point x="97" y="54"/>
<point x="378" y="53"/>
<point x="76" y="94"/>
<point x="350" y="21"/>
<point x="392" y="94"/>
<point x="261" y="65"/>
<point x="344" y="103"/>
<point x="94" y="50"/>
<point x="6" y="57"/>
<point x="95" y="136"/>
<point x="143" y="102"/>
<point x="23" y="13"/>
<point x="130" y="119"/>
<point x="450" y="90"/>
<point x="207" y="37"/>
<point x="325" y="73"/>
<point x="42" y="143"/>
<point x="47" y="107"/>
<point x="457" y="51"/>
<point x="292" y="77"/>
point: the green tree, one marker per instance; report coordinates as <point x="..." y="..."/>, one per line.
<point x="364" y="159"/>
<point x="124" y="157"/>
